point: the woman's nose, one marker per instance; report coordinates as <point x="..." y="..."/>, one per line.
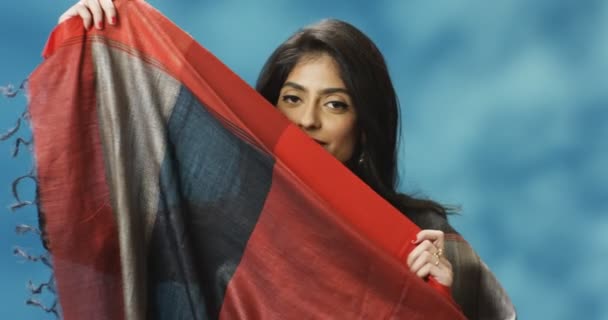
<point x="308" y="117"/>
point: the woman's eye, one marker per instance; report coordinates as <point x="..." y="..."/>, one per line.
<point x="291" y="99"/>
<point x="337" y="105"/>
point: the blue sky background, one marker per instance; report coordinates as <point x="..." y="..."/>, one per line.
<point x="505" y="112"/>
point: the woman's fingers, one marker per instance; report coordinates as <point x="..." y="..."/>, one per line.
<point x="85" y="14"/>
<point x="95" y="8"/>
<point x="109" y="10"/>
<point x="427" y="240"/>
<point x="423" y="259"/>
<point x="424" y="246"/>
<point x="435" y="236"/>
<point x="92" y="12"/>
<point x="427" y="258"/>
<point x="81" y="10"/>
<point x="424" y="271"/>
<point x="432" y="266"/>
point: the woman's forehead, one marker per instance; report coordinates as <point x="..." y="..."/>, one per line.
<point x="315" y="73"/>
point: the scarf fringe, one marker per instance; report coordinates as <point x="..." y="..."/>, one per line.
<point x="49" y="287"/>
<point x="54" y="308"/>
<point x="9" y="90"/>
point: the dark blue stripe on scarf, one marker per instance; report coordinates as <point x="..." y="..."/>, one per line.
<point x="204" y="219"/>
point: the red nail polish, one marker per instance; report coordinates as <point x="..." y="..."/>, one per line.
<point x="100" y="25"/>
<point x="113" y="20"/>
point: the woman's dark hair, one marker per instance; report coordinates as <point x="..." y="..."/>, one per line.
<point x="364" y="72"/>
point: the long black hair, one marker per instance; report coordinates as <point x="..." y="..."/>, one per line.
<point x="366" y="77"/>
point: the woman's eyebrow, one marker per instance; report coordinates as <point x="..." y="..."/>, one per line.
<point x="294" y="85"/>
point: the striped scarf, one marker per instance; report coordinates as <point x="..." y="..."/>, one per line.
<point x="170" y="189"/>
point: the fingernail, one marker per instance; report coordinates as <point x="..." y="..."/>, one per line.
<point x="113" y="20"/>
<point x="100" y="25"/>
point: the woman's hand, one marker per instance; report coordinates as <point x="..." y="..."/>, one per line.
<point x="427" y="258"/>
<point x="92" y="12"/>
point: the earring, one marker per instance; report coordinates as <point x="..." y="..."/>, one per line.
<point x="361" y="158"/>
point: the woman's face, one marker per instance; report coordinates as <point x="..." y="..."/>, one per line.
<point x="315" y="98"/>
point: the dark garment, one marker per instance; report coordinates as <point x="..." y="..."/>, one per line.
<point x="475" y="287"/>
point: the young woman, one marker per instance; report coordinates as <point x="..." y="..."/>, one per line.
<point x="331" y="80"/>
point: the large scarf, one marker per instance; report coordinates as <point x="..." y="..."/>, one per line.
<point x="170" y="189"/>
